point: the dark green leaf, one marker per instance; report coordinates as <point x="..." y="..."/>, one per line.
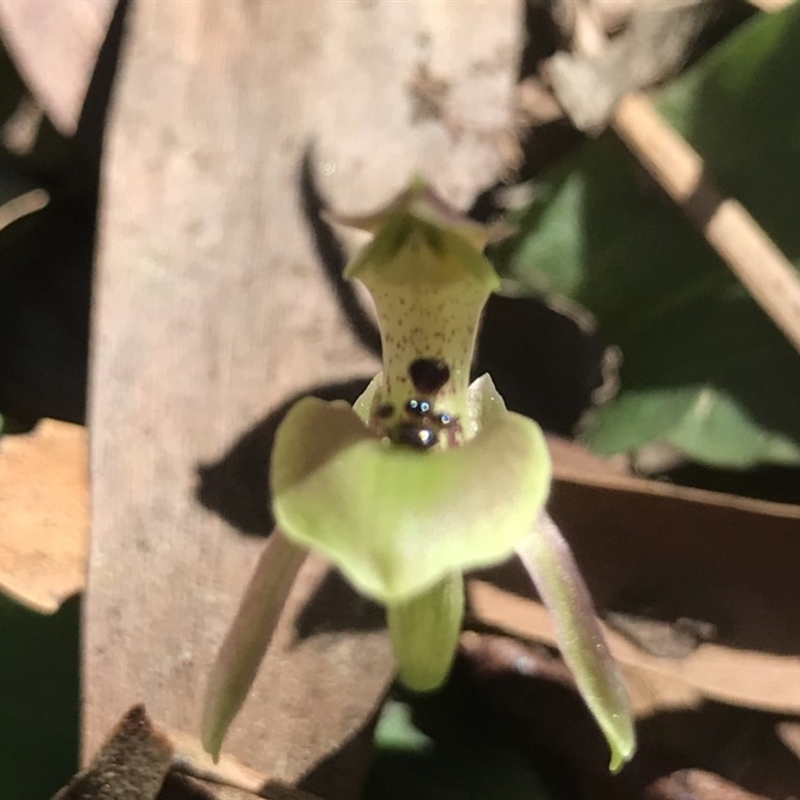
<point x="704" y="368"/>
<point x="39" y="712"/>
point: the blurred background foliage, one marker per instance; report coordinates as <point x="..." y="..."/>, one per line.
<point x="40" y="708"/>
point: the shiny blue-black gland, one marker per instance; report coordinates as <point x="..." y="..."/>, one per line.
<point x="412" y="434"/>
<point x="419" y="408"/>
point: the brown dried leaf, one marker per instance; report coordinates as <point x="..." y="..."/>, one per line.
<point x="571" y="460"/>
<point x="184" y="787"/>
<point x="665" y="552"/>
<point x="748" y="678"/>
<point x="533" y="693"/>
<point x="44" y="514"/>
<point x="789" y="733"/>
<point x="191" y="760"/>
<point x="659" y="554"/>
<point x="695" y="784"/>
<point x="131" y="765"/>
<point x="141" y="761"/>
<point x="55" y="46"/>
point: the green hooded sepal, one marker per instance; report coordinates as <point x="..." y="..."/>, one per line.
<point x="410" y="252"/>
<point x="423" y="204"/>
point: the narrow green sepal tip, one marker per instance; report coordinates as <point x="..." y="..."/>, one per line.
<point x="620" y="734"/>
<point x="551" y="565"/>
<point x="248" y="638"/>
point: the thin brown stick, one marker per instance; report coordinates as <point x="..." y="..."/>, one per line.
<point x="744" y="246"/>
<point x="22" y="205"/>
<point x="739" y="240"/>
<point x="770" y="5"/>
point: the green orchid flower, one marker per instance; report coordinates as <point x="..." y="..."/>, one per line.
<point x="425" y="478"/>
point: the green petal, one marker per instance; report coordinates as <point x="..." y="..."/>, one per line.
<point x="396" y="520"/>
<point x="424" y="632"/>
<point x="366" y="400"/>
<point x="484" y="403"/>
<point x="248" y="638"/>
<point x="549" y="561"/>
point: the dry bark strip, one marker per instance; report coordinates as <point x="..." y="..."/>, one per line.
<point x="210" y="311"/>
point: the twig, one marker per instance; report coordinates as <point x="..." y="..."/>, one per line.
<point x="22" y="205"/>
<point x="711" y="671"/>
<point x="727" y="226"/>
<point x="770" y="5"/>
<point x="744" y="246"/>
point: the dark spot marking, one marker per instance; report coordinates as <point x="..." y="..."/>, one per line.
<point x="429" y="374"/>
<point x="385" y="410"/>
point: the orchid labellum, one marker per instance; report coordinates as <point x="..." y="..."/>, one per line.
<point x="423" y="479"/>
